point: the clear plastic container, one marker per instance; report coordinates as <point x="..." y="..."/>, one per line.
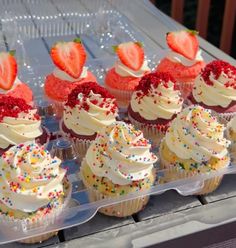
<point x="100" y="27"/>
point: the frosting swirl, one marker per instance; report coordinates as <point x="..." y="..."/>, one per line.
<point x="125" y="71"/>
<point x="178" y="58"/>
<point x="29" y="177"/>
<point x="216" y="85"/>
<point x="195" y="134"/>
<point x="86" y="113"/>
<point x="161" y="100"/>
<point x="121" y="154"/>
<point x="64" y="76"/>
<point x="19" y="122"/>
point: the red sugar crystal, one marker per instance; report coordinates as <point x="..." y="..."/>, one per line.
<point x="155" y="79"/>
<point x="12" y="107"/>
<point x="85" y="89"/>
<point x="216" y="67"/>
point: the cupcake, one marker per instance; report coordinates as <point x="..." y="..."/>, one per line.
<point x="33" y="189"/>
<point x="89" y="108"/>
<point x="125" y="75"/>
<point x="10" y="84"/>
<point x="69" y="59"/>
<point x="195" y="143"/>
<point x="231" y="135"/>
<point x="154" y="104"/>
<point x="184" y="61"/>
<point x="117" y="163"/>
<point x="215" y="89"/>
<point x="19" y="122"/>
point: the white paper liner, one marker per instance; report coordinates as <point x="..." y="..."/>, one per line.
<point x="80" y="146"/>
<point x="123" y="97"/>
<point x="150" y="131"/>
<point x="174" y="173"/>
<point x="185" y="88"/>
<point x="45" y="220"/>
<point x="122" y="209"/>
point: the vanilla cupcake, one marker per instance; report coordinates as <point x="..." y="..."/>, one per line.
<point x="117" y="163"/>
<point x="231" y="135"/>
<point x="154" y="104"/>
<point x="195" y="143"/>
<point x="33" y="188"/>
<point x="19" y="122"/>
<point x="89" y="108"/>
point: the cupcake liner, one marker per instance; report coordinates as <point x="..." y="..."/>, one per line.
<point x="150" y="131"/>
<point x="174" y="173"/>
<point x="80" y="146"/>
<point x="122" y="209"/>
<point x="122" y="96"/>
<point x="185" y="88"/>
<point x="225" y="117"/>
<point x="48" y="138"/>
<point x="29" y="224"/>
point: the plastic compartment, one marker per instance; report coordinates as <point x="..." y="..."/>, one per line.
<point x="99" y="26"/>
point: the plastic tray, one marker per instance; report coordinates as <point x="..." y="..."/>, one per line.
<point x="81" y="209"/>
<point x="42" y="28"/>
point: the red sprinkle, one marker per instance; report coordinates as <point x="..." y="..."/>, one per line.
<point x="155" y="79"/>
<point x="12" y="107"/>
<point x="217" y="67"/>
<point x="85" y="89"/>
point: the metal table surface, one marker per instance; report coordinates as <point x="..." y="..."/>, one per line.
<point x="167" y="217"/>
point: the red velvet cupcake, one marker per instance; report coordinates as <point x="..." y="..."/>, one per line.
<point x="69" y="59"/>
<point x="10" y="85"/>
<point x="184" y="62"/>
<point x="19" y="122"/>
<point x="89" y="108"/>
<point x="215" y="89"/>
<point x="122" y="79"/>
<point x="154" y="104"/>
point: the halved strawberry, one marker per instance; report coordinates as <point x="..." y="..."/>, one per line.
<point x="130" y="54"/>
<point x="184" y="42"/>
<point x="69" y="57"/>
<point x="8" y="70"/>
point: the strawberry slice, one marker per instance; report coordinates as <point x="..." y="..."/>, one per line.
<point x="8" y="70"/>
<point x="69" y="56"/>
<point x="183" y="42"/>
<point x="130" y="54"/>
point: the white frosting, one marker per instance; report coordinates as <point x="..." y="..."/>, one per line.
<point x="124" y="155"/>
<point x="64" y="76"/>
<point x="30" y="178"/>
<point x="195" y="134"/>
<point x="214" y="95"/>
<point x="18" y="130"/>
<point x="99" y="115"/>
<point x="16" y="82"/>
<point x="178" y="58"/>
<point x="125" y="71"/>
<point x="160" y="102"/>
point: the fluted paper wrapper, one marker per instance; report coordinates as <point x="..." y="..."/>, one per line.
<point x="122" y="96"/>
<point x="150" y="131"/>
<point x="45" y="220"/>
<point x="80" y="146"/>
<point x="122" y="209"/>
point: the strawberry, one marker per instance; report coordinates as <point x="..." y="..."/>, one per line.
<point x="69" y="56"/>
<point x="183" y="42"/>
<point x="130" y="54"/>
<point x="8" y="70"/>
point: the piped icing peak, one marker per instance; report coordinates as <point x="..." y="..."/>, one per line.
<point x="154" y="80"/>
<point x="79" y="95"/>
<point x="13" y="107"/>
<point x="121" y="154"/>
<point x="216" y="68"/>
